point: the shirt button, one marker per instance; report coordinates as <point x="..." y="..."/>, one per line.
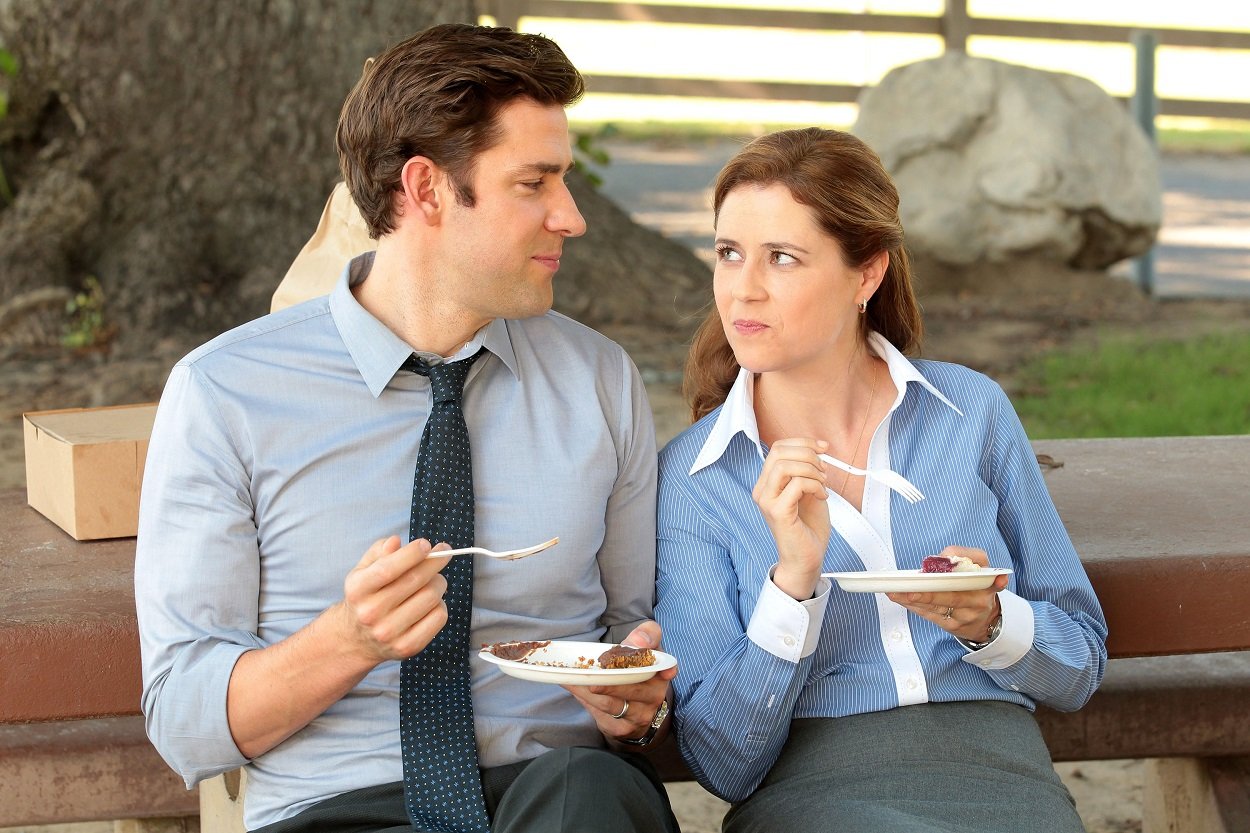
<point x="911" y="682"/>
<point x="896" y="635"/>
<point x="789" y="641"/>
<point x="1015" y="688"/>
<point x="985" y="664"/>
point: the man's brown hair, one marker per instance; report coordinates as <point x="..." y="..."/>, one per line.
<point x="438" y="94"/>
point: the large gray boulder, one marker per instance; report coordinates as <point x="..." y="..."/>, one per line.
<point x="995" y="161"/>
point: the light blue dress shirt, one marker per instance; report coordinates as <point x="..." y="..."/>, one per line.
<point x="753" y="658"/>
<point x="284" y="448"/>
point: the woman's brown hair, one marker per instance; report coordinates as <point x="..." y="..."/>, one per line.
<point x="438" y="94"/>
<point x="854" y="201"/>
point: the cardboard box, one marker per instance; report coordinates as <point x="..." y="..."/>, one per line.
<point x="84" y="467"/>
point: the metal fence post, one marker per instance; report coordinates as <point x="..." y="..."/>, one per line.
<point x="507" y="13"/>
<point x="955" y="26"/>
<point x="1144" y="106"/>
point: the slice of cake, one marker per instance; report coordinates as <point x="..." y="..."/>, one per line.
<point x="948" y="564"/>
<point x="515" y="651"/>
<point x="623" y="656"/>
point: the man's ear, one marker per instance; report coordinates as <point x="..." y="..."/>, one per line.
<point x="419" y="194"/>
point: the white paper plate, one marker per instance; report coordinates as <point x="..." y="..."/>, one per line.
<point x="914" y="581"/>
<point x="567" y="655"/>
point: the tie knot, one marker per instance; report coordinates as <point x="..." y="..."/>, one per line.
<point x="446" y="379"/>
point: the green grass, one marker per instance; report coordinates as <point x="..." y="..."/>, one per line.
<point x="1231" y="140"/>
<point x="1133" y="387"/>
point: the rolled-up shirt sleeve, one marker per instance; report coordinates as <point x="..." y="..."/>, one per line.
<point x="197" y="578"/>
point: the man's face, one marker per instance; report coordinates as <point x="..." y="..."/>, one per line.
<point x="507" y="247"/>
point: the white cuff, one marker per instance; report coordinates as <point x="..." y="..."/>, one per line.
<point x="1014" y="640"/>
<point x="787" y="628"/>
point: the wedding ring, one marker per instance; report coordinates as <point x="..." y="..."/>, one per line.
<point x="948" y="613"/>
<point x="624" y="709"/>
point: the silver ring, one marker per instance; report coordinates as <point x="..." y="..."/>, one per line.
<point x="624" y="709"/>
<point x="948" y="613"/>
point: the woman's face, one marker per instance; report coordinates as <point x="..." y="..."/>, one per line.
<point x="786" y="298"/>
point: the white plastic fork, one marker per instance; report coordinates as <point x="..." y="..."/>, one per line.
<point x="890" y="478"/>
<point x="503" y="555"/>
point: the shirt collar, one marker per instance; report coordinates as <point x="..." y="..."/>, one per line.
<point x="737" y="414"/>
<point x="903" y="371"/>
<point x="377" y="352"/>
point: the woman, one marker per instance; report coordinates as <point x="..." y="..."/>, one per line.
<point x="804" y="356"/>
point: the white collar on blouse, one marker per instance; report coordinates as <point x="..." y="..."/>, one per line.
<point x="738" y="413"/>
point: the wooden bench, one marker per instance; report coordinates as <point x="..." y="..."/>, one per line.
<point x="1161" y="525"/>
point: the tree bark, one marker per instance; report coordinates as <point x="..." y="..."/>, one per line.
<point x="179" y="153"/>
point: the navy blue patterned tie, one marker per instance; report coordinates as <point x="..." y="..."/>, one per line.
<point x="442" y="784"/>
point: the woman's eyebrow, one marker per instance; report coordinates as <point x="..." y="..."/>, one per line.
<point x="783" y="245"/>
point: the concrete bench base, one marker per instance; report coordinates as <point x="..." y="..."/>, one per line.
<point x="1196" y="795"/>
<point x="87" y="770"/>
<point x="221" y="802"/>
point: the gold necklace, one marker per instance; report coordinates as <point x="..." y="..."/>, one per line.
<point x="862" y="428"/>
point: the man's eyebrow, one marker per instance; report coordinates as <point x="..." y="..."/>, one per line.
<point x="542" y="168"/>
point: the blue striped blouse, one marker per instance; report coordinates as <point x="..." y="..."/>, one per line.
<point x="753" y="659"/>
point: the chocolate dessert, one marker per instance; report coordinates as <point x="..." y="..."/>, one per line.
<point x="516" y="651"/>
<point x="623" y="656"/>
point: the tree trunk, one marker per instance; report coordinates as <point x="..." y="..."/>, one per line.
<point x="178" y="154"/>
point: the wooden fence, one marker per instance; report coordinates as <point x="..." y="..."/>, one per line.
<point x="954" y="26"/>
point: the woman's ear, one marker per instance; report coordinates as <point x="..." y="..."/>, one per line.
<point x="418" y="195"/>
<point x="872" y="273"/>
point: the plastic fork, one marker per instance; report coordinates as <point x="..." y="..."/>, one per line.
<point x="887" y="477"/>
<point x="503" y="555"/>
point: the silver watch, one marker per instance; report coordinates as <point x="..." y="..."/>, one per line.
<point x="656" y="722"/>
<point x="995" y="630"/>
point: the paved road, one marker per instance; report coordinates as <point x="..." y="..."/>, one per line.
<point x="1203" y="248"/>
<point x="1204" y="245"/>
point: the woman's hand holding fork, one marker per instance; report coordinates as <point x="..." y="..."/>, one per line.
<point x="790" y="493"/>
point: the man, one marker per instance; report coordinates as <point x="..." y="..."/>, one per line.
<point x="285" y="449"/>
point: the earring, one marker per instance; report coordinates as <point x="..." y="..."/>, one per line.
<point x="863" y="305"/>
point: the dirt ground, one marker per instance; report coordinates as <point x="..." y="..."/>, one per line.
<point x="990" y="318"/>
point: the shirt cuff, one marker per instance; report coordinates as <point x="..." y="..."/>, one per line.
<point x="1014" y="640"/>
<point x="784" y="627"/>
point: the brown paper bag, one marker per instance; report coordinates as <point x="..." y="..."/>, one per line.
<point x="340" y="236"/>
